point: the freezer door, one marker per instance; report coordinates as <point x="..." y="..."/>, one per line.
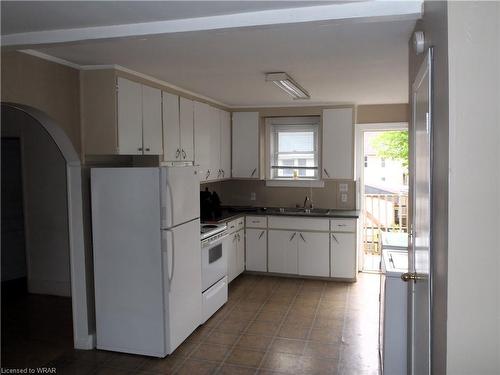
<point x="182" y="264"/>
<point x="128" y="274"/>
<point x="180" y="194"/>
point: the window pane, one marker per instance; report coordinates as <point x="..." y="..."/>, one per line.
<point x="296" y="141"/>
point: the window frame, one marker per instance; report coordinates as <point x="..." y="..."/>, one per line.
<point x="307" y="123"/>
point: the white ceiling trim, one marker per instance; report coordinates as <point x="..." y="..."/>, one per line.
<point x="57" y="60"/>
<point x="358" y="11"/>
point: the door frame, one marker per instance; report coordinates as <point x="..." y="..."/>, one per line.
<point x="426" y="66"/>
<point x="360" y="130"/>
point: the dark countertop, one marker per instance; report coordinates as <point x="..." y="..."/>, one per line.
<point x="231" y="213"/>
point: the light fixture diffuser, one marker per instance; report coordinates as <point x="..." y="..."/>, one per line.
<point x="288" y="85"/>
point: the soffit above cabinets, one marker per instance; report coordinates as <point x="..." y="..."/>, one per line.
<point x="341" y="58"/>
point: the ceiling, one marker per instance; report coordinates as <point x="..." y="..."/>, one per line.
<point x="338" y="62"/>
<point x="28" y="16"/>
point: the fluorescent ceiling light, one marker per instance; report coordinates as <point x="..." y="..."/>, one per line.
<point x="287" y="84"/>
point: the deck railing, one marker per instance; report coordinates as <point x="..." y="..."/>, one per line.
<point x="383" y="213"/>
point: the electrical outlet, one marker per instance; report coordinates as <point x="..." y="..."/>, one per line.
<point x="343" y="197"/>
<point x="253" y="196"/>
<point x="344" y="188"/>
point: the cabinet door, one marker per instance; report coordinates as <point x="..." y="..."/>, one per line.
<point x="225" y="144"/>
<point x="232" y="251"/>
<point x="314" y="254"/>
<point x="240" y="253"/>
<point x="186" y="108"/>
<point x="214" y="163"/>
<point x="283" y="251"/>
<point x="202" y="139"/>
<point x="256" y="250"/>
<point x="152" y="132"/>
<point x="343" y="256"/>
<point x="129" y="105"/>
<point x="338" y="144"/>
<point x="171" y="134"/>
<point x="245" y="150"/>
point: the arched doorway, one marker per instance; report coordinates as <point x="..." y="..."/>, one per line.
<point x="67" y="273"/>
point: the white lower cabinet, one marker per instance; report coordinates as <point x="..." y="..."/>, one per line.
<point x="314" y="254"/>
<point x="256" y="249"/>
<point x="343" y="255"/>
<point x="236" y="254"/>
<point x="283" y="251"/>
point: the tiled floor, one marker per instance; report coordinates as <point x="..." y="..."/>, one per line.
<point x="269" y="325"/>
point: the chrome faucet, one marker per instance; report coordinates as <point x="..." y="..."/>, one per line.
<point x="310" y="203"/>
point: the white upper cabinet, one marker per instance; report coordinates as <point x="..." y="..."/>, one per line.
<point x="202" y="139"/>
<point x="225" y="144"/>
<point x="171" y="130"/>
<point x="245" y="145"/>
<point x="151" y="121"/>
<point x="178" y="128"/>
<point x="214" y="139"/>
<point x="129" y="106"/>
<point x="338" y="144"/>
<point x="186" y="120"/>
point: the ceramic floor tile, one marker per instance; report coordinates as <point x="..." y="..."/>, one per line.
<point x="245" y="357"/>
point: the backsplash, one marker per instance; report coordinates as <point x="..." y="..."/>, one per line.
<point x="241" y="192"/>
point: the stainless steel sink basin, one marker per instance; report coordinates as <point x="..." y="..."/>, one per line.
<point x="300" y="211"/>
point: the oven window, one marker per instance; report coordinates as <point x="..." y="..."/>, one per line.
<point x="214" y="253"/>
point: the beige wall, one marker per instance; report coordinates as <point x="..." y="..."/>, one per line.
<point x="47" y="86"/>
<point x="473" y="334"/>
<point x="381" y="113"/>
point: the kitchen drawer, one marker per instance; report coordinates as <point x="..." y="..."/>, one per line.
<point x="343" y="225"/>
<point x="299" y="223"/>
<point x="256" y="222"/>
<point x="213" y="299"/>
<point x="232" y="226"/>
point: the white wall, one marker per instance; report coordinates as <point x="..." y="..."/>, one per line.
<point x="45" y="203"/>
<point x="474" y="189"/>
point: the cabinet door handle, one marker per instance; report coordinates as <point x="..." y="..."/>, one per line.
<point x="261" y="234"/>
<point x="139" y="149"/>
<point x="326" y="172"/>
<point x="235" y="237"/>
<point x="293" y="235"/>
<point x="148" y="149"/>
<point x="184" y="155"/>
<point x="335" y="238"/>
<point x="253" y="172"/>
<point x="177" y="153"/>
<point x="223" y="173"/>
<point x="301" y="236"/>
<point x="208" y="174"/>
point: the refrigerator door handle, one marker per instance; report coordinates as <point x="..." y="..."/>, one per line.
<point x="171" y="264"/>
<point x="171" y="198"/>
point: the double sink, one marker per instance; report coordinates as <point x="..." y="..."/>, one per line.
<point x="299" y="211"/>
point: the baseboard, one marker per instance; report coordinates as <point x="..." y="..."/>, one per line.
<point x="86" y="342"/>
<point x="49" y="287"/>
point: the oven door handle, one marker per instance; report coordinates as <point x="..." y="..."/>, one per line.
<point x="216" y="240"/>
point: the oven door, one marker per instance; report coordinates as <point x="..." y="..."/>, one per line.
<point x="213" y="262"/>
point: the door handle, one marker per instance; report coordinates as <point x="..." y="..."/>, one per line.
<point x="326" y="172"/>
<point x="411" y="276"/>
<point x="139" y="149"/>
<point x="253" y="172"/>
<point x="177" y="153"/>
<point x="261" y="234"/>
<point x="293" y="235"/>
<point x="335" y="238"/>
<point x="208" y="175"/>
<point x="301" y="236"/>
<point x="184" y="154"/>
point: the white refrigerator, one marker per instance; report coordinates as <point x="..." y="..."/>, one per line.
<point x="147" y="257"/>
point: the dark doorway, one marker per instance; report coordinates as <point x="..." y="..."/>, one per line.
<point x="36" y="328"/>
